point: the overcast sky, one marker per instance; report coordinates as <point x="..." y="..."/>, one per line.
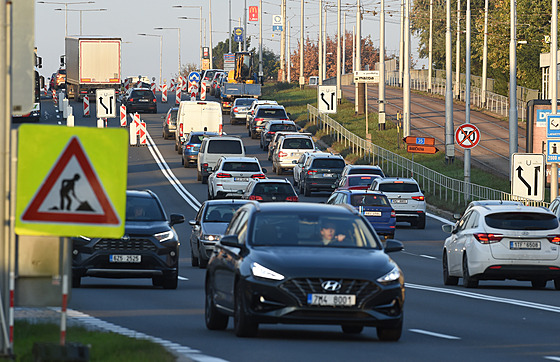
<point x="125" y="19"/>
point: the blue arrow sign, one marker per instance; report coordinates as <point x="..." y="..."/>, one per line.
<point x="552" y="125"/>
<point x="194" y="76"/>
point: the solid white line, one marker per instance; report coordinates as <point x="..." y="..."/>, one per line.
<point x="433" y="334"/>
<point x="182" y="278"/>
<point x="552" y="358"/>
<point x="438" y="218"/>
<point x="428" y="256"/>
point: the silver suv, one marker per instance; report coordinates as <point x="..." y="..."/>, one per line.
<point x="406" y="198"/>
<point x="288" y="148"/>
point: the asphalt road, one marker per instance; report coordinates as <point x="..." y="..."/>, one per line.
<point x="500" y="321"/>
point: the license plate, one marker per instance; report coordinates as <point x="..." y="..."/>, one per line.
<point x="525" y="245"/>
<point x="142" y="100"/>
<point x="125" y="258"/>
<point x="399" y="201"/>
<point x="372" y="213"/>
<point x="328" y="175"/>
<point x="241" y="179"/>
<point x="331" y="300"/>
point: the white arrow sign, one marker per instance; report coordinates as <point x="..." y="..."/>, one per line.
<point x="106" y="103"/>
<point x="528" y="175"/>
<point x="326" y="98"/>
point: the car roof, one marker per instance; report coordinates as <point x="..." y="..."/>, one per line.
<point x="490" y="209"/>
<point x="277" y="106"/>
<point x="307" y="207"/>
<point x="363" y="175"/>
<point x="280" y="121"/>
<point x="326" y="155"/>
<point x="393" y="179"/>
<point x="224" y="138"/>
<point x="363" y="166"/>
<point x="363" y="192"/>
<point x="204" y="133"/>
<point x="271" y="180"/>
<point x="226" y="201"/>
<point x="494" y="202"/>
<point x="148" y="194"/>
<point x="239" y="159"/>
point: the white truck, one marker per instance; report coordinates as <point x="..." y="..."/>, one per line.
<point x="91" y="64"/>
<point x="195" y="116"/>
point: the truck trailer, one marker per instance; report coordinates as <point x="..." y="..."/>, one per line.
<point x="91" y="64"/>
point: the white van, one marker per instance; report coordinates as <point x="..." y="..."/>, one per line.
<point x="197" y="116"/>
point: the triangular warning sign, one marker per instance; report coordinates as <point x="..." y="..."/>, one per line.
<point x="71" y="193"/>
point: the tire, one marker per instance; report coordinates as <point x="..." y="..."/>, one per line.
<point x="279" y="170"/>
<point x="421" y="223"/>
<point x="538" y="283"/>
<point x="306" y="190"/>
<point x="249" y="132"/>
<point x="185" y="164"/>
<point x="171" y="281"/>
<point x="253" y="135"/>
<point x="261" y="144"/>
<point x="447" y="279"/>
<point x="202" y="262"/>
<point x="176" y="148"/>
<point x="198" y="176"/>
<point x="76" y="281"/>
<point x="214" y="319"/>
<point x="389" y="334"/>
<point x="205" y="179"/>
<point x="194" y="259"/>
<point x="557" y="283"/>
<point x="468" y="280"/>
<point x="210" y="195"/>
<point x="242" y="324"/>
<point x="352" y="329"/>
<point x="179" y="150"/>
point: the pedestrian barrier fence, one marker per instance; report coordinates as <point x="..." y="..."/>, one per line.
<point x="457" y="192"/>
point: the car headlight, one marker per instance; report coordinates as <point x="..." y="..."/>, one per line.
<point x="391" y="276"/>
<point x="262" y="272"/>
<point x="164" y="236"/>
<point x="208" y="237"/>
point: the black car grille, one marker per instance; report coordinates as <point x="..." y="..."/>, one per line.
<point x="128" y="245"/>
<point x="300" y="288"/>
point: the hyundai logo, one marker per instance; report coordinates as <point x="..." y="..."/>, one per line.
<point x="331" y="285"/>
<point x="125" y="238"/>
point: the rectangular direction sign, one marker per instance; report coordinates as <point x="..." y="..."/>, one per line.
<point x="425" y="141"/>
<point x="553" y="150"/>
<point x="552" y="125"/>
<point x="366" y="76"/>
<point x="421" y="149"/>
<point x="528" y="174"/>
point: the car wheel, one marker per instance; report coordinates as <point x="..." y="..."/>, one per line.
<point x="242" y="324"/>
<point x="204" y="179"/>
<point x="265" y="147"/>
<point x="468" y="280"/>
<point x="279" y="170"/>
<point x="269" y="157"/>
<point x="538" y="283"/>
<point x="212" y="316"/>
<point x="249" y="132"/>
<point x="203" y="262"/>
<point x="210" y="195"/>
<point x="447" y="279"/>
<point x="179" y="149"/>
<point x="352" y="329"/>
<point x="176" y="148"/>
<point x="157" y="281"/>
<point x="76" y="281"/>
<point x="171" y="281"/>
<point x="421" y="222"/>
<point x="389" y="334"/>
<point x="306" y="190"/>
<point x="557" y="283"/>
<point x="198" y="176"/>
<point x="261" y="144"/>
<point x="163" y="135"/>
<point x="194" y="259"/>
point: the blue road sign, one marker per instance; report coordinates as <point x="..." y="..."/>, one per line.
<point x="238" y="34"/>
<point x="276" y="27"/>
<point x="552" y="125"/>
<point x="194" y="77"/>
<point x="420" y="140"/>
<point x="553" y="151"/>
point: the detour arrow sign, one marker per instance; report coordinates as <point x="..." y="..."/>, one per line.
<point x="421" y="149"/>
<point x="424" y="141"/>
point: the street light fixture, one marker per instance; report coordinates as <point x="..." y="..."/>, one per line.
<point x="160" y="50"/>
<point x="179" y="40"/>
<point x="200" y="19"/>
<point x="65" y="9"/>
<point x="80" y="10"/>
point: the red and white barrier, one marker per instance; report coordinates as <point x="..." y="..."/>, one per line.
<point x="54" y="97"/>
<point x="203" y="93"/>
<point x="123" y="116"/>
<point x="184" y="84"/>
<point x="153" y="87"/>
<point x="164" y="93"/>
<point x="136" y="121"/>
<point x="220" y="129"/>
<point x="63" y="310"/>
<point x="142" y="134"/>
<point x="178" y="95"/>
<point x="172" y="86"/>
<point x="46" y="91"/>
<point x="11" y="312"/>
<point x="86" y="106"/>
<point x="193" y="96"/>
<point x="126" y="84"/>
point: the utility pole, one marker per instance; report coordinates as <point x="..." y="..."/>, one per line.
<point x="513" y="79"/>
<point x="401" y="45"/>
<point x="381" y="117"/>
<point x="553" y="89"/>
<point x="359" y="87"/>
<point x="229" y="22"/>
<point x="320" y="71"/>
<point x="449" y="142"/>
<point x="325" y="44"/>
<point x="301" y="30"/>
<point x="430" y="61"/>
<point x="283" y="42"/>
<point x="260" y="44"/>
<point x="245" y="27"/>
<point x="467" y="163"/>
<point x="344" y="45"/>
<point x="338" y="55"/>
<point x="406" y="84"/>
<point x="210" y="26"/>
<point x="485" y="54"/>
<point x="289" y="62"/>
<point x="458" y="52"/>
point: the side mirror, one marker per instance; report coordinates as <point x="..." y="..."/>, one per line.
<point x="264" y="170"/>
<point x="176" y="219"/>
<point x="447" y="228"/>
<point x="192" y="222"/>
<point x="294" y="162"/>
<point x="230" y="240"/>
<point x="392" y="245"/>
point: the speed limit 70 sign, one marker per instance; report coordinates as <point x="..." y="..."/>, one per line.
<point x="467" y="135"/>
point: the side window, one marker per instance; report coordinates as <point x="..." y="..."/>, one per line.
<point x="554" y="206"/>
<point x="308" y="161"/>
<point x="332" y="198"/>
<point x="463" y="222"/>
<point x="241" y="230"/>
<point x="199" y="214"/>
<point x="233" y="225"/>
<point x="473" y="221"/>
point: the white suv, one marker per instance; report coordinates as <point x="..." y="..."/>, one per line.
<point x="498" y="242"/>
<point x="406" y="198"/>
<point x="232" y="175"/>
<point x="288" y="149"/>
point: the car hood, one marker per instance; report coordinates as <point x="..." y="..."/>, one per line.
<point x="325" y="262"/>
<point x="145" y="227"/>
<point x="214" y="228"/>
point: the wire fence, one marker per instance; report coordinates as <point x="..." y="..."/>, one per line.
<point x="449" y="190"/>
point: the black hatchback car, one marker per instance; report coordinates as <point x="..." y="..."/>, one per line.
<point x="322" y="171"/>
<point x="140" y="100"/>
<point x="270" y="190"/>
<point x="148" y="249"/>
<point x="303" y="263"/>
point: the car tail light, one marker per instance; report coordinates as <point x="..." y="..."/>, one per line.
<point x="234" y="109"/>
<point x="189" y="146"/>
<point x="485" y="238"/>
<point x="282" y="154"/>
<point x="270" y="132"/>
<point x="292" y="198"/>
<point x="555" y="239"/>
<point x="418" y="198"/>
<point x="205" y="165"/>
<point x="259" y="175"/>
<point x="223" y="175"/>
<point x="131" y="100"/>
<point x="393" y="213"/>
<point x="154" y="100"/>
<point x="169" y="119"/>
<point x="259" y="119"/>
<point x="255" y="197"/>
<point x="311" y="172"/>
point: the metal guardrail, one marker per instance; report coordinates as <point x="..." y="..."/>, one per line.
<point x="448" y="189"/>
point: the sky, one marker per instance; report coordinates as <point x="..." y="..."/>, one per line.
<point x="125" y="19"/>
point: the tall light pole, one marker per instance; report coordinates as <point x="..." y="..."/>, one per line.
<point x="449" y="142"/>
<point x="338" y="55"/>
<point x="321" y="65"/>
<point x="178" y="39"/>
<point x="406" y="75"/>
<point x="513" y="79"/>
<point x="210" y="26"/>
<point x="381" y="118"/>
<point x="65" y="9"/>
<point x="485" y="54"/>
<point x="301" y="31"/>
<point x="430" y="46"/>
<point x="552" y="80"/>
<point x="467" y="163"/>
<point x="160" y="50"/>
<point x="80" y="10"/>
<point x="458" y="53"/>
<point x="201" y="19"/>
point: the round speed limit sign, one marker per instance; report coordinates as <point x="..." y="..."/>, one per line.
<point x="467" y="135"/>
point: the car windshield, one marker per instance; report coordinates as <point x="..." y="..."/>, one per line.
<point x="143" y="209"/>
<point x="243" y="102"/>
<point x="522" y="221"/>
<point x="360" y="180"/>
<point x="306" y="230"/>
<point x="196" y="139"/>
<point x="283" y="127"/>
<point x="241" y="166"/>
<point x="225" y="147"/>
<point x="328" y="163"/>
<point x="220" y="212"/>
<point x="297" y="143"/>
<point x="366" y="171"/>
<point x="273" y="189"/>
<point x="271" y="113"/>
<point x="398" y="187"/>
<point x="369" y="200"/>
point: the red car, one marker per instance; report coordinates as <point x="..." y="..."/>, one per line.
<point x="356" y="182"/>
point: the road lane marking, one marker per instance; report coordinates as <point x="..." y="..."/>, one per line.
<point x="445" y="221"/>
<point x="552" y="358"/>
<point x="433" y="334"/>
<point x="488" y="298"/>
<point x="427" y="256"/>
<point x="182" y="278"/>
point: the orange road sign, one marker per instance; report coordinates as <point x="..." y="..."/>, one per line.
<point x="424" y="141"/>
<point x="421" y="149"/>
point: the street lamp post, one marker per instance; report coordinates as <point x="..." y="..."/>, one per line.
<point x="201" y="19"/>
<point x="179" y="41"/>
<point x="80" y="10"/>
<point x="65" y="9"/>
<point x="160" y="50"/>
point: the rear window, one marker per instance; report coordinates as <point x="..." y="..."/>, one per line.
<point x="328" y="163"/>
<point x="369" y="200"/>
<point x="244" y="102"/>
<point x="173" y="115"/>
<point x="241" y="166"/>
<point x="143" y="94"/>
<point x="278" y="113"/>
<point x="196" y="139"/>
<point x="366" y="171"/>
<point x="143" y="209"/>
<point x="283" y="127"/>
<point x="521" y="221"/>
<point x="361" y="180"/>
<point x="297" y="143"/>
<point x="221" y="212"/>
<point x="209" y="74"/>
<point x="398" y="187"/>
<point x="232" y="147"/>
<point x="273" y="189"/>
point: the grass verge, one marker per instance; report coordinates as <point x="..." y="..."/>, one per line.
<point x="104" y="346"/>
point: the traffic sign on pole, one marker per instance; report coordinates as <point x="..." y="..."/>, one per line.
<point x="326" y="98"/>
<point x="528" y="175"/>
<point x="467" y="135"/>
<point x="427" y="141"/>
<point x="106" y="103"/>
<point x="552" y="125"/>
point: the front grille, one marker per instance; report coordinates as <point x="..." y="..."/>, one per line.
<point x="125" y="245"/>
<point x="300" y="288"/>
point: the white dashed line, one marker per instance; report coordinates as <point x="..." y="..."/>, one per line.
<point x="433" y="334"/>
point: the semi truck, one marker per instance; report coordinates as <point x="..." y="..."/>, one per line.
<point x="240" y="83"/>
<point x="91" y="64"/>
